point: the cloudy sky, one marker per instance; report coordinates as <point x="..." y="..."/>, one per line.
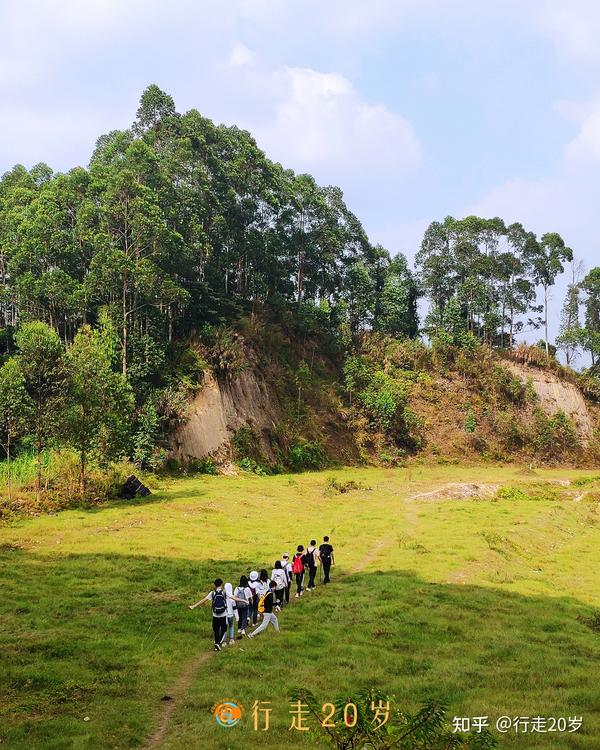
<point x="416" y="108"/>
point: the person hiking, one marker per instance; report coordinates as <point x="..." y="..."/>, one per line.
<point x="311" y="558"/>
<point x="287" y="567"/>
<point x="263" y="582"/>
<point x="298" y="569"/>
<point x="326" y="555"/>
<point x="279" y="576"/>
<point x="230" y="616"/>
<point x="218" y="599"/>
<point x="253" y="586"/>
<point x="243" y="591"/>
<point x="267" y="603"/>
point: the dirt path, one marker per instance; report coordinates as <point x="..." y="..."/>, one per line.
<point x="180" y="687"/>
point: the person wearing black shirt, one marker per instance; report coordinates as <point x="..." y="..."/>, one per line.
<point x="268" y="616"/>
<point x="326" y="555"/>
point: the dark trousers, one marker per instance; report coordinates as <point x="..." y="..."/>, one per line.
<point x="219" y="628"/>
<point x="286" y="594"/>
<point x="326" y="569"/>
<point x="279" y="593"/>
<point x="253" y="611"/>
<point x="299" y="581"/>
<point x="243" y="613"/>
<point x="312" y="572"/>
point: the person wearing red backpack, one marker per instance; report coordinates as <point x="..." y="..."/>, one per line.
<point x="298" y="569"/>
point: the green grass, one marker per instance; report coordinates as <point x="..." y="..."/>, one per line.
<point x="478" y="603"/>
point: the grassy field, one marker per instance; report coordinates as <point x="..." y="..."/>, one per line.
<point x="475" y="601"/>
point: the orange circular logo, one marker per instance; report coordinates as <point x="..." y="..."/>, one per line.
<point x="227" y="714"/>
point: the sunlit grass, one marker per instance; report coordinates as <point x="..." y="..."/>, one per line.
<point x="474" y="602"/>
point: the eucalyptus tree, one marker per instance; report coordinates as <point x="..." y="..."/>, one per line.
<point x="591" y="332"/>
<point x="546" y="259"/>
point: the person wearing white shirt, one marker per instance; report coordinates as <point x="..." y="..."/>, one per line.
<point x="243" y="592"/>
<point x="279" y="576"/>
<point x="287" y="566"/>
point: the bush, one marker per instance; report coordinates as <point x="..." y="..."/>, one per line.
<point x="304" y="454"/>
<point x="470" y="422"/>
<point x="555" y="436"/>
<point x="252" y="466"/>
<point x="223" y="350"/>
<point x="332" y="484"/>
<point x="382" y="399"/>
<point x="203" y="466"/>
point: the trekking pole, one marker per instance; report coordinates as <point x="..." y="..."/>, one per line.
<point x="320" y="572"/>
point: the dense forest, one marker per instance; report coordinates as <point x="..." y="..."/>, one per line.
<point x="121" y="282"/>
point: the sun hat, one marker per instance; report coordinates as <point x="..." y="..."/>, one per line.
<point x="285" y="554"/>
<point x="254" y="576"/>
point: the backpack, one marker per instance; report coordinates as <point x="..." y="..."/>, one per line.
<point x="280" y="578"/>
<point x="219" y="603"/>
<point x="298" y="565"/>
<point x="261" y="602"/>
<point x="252" y="587"/>
<point x="241" y="594"/>
<point x="325" y="552"/>
<point x="309" y="558"/>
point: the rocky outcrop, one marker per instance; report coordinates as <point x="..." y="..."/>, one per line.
<point x="555" y="394"/>
<point x="220" y="409"/>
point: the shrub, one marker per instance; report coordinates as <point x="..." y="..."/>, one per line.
<point x="203" y="466"/>
<point x="470" y="422"/>
<point x="249" y="464"/>
<point x="245" y="442"/>
<point x="382" y="399"/>
<point x="223" y="349"/>
<point x="332" y="484"/>
<point x="554" y="436"/>
<point x="304" y="454"/>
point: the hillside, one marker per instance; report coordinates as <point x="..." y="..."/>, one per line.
<point x="183" y="300"/>
<point x="389" y="402"/>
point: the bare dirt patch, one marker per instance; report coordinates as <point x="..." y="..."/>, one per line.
<point x="459" y="491"/>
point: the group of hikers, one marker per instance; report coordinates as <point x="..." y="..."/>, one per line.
<point x="260" y="595"/>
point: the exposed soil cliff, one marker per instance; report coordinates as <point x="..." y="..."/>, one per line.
<point x="555" y="394"/>
<point x="221" y="408"/>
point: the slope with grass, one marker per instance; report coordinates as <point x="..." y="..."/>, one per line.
<point x="482" y="597"/>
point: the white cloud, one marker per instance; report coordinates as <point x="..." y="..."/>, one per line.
<point x="573" y="25"/>
<point x="318" y="122"/>
<point x="241" y="56"/>
<point x="586" y="144"/>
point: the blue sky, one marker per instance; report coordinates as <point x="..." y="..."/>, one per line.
<point x="416" y="108"/>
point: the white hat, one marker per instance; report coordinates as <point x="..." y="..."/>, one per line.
<point x="254" y="576"/>
<point x="285" y="554"/>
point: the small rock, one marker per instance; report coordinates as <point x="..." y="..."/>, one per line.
<point x="86" y="718"/>
<point x="166" y="698"/>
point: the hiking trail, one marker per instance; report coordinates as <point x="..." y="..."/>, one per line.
<point x="185" y="678"/>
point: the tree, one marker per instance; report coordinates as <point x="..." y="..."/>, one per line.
<point x="397" y="300"/>
<point x="570" y="337"/>
<point x="591" y="332"/>
<point x="39" y="360"/>
<point x="358" y="295"/>
<point x="16" y="409"/>
<point x="435" y="265"/>
<point x="546" y="260"/>
<point x="100" y="402"/>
